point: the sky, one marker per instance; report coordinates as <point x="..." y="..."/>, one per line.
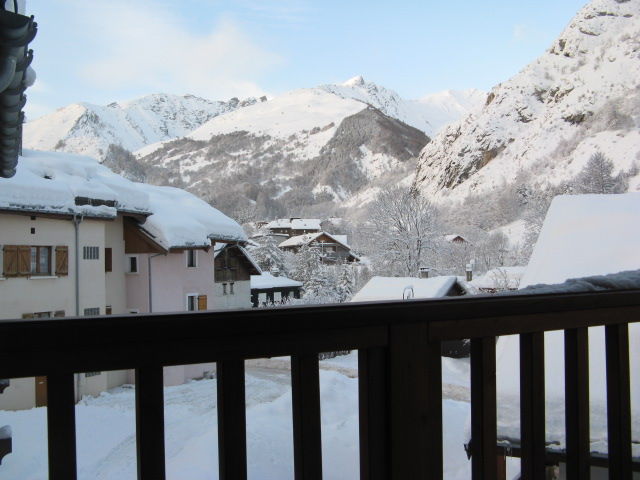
<point x="100" y="51"/>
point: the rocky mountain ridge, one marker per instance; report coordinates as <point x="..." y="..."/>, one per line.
<point x="579" y="97"/>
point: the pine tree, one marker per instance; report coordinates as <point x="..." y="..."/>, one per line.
<point x="345" y="284"/>
<point x="597" y="177"/>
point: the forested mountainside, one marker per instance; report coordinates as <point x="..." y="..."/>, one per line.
<point x="580" y="97"/>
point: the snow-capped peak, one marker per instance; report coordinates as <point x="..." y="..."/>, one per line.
<point x="356" y="81"/>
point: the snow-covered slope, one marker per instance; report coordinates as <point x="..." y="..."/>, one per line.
<point x="303" y="148"/>
<point x="89" y="129"/>
<point x="428" y="114"/>
<point x="581" y="96"/>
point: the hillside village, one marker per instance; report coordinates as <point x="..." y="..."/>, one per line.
<point x="341" y="195"/>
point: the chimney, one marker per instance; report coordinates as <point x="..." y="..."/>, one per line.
<point x="469" y="272"/>
<point x="275" y="271"/>
<point x="424" y="272"/>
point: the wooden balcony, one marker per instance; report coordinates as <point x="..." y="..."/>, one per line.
<point x="400" y="382"/>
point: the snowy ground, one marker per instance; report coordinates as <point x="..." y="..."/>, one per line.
<point x="106" y="427"/>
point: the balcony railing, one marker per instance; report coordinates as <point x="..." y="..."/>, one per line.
<point x="400" y="379"/>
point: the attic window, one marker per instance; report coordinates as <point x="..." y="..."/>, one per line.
<point x="48" y="177"/>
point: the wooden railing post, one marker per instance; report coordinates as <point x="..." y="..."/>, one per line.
<point x="307" y="441"/>
<point x="618" y="401"/>
<point x="483" y="409"/>
<point x="415" y="393"/>
<point x="232" y="424"/>
<point x="576" y="380"/>
<point x="61" y="426"/>
<point x="150" y="422"/>
<point x="532" y="416"/>
<point x="373" y="414"/>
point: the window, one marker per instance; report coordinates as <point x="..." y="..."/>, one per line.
<point x="40" y="261"/>
<point x="192" y="258"/>
<point x="192" y="303"/>
<point x="91" y="253"/>
<point x="108" y="310"/>
<point x="132" y="264"/>
<point x="231" y="288"/>
<point x="91" y="374"/>
<point x="108" y="259"/>
<point x="91" y="311"/>
<point x="224" y="288"/>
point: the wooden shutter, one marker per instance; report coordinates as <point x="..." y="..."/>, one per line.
<point x="24" y="260"/>
<point x="108" y="259"/>
<point x="10" y="267"/>
<point x="62" y="261"/>
<point x="28" y="315"/>
<point x="202" y="302"/>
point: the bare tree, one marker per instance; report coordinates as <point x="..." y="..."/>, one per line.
<point x="405" y="225"/>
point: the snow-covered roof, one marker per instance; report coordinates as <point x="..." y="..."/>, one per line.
<point x="586" y="235"/>
<point x="397" y="288"/>
<point x="180" y="219"/>
<point x="500" y="278"/>
<point x="50" y="182"/>
<point x="453" y="236"/>
<point x="582" y="235"/>
<point x="266" y="280"/>
<point x="343" y="239"/>
<point x="305" y="224"/>
<point x="307" y="238"/>
<point x="279" y="223"/>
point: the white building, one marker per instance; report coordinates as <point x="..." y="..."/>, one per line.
<point x="582" y="236"/>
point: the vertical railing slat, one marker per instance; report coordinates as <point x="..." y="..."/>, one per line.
<point x="374" y="429"/>
<point x="415" y="392"/>
<point x="483" y="409"/>
<point x="532" y="408"/>
<point x="307" y="441"/>
<point x="150" y="422"/>
<point x="61" y="426"/>
<point x="232" y="425"/>
<point x="618" y="401"/>
<point x="576" y="377"/>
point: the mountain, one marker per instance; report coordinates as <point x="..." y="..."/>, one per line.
<point x="89" y="129"/>
<point x="581" y="96"/>
<point x="428" y="114"/>
<point x="308" y="148"/>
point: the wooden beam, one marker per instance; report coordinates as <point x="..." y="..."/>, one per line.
<point x="415" y="392"/>
<point x="618" y="402"/>
<point x="61" y="426"/>
<point x="373" y="413"/>
<point x="483" y="409"/>
<point x="576" y="378"/>
<point x="150" y="422"/>
<point x="532" y="408"/>
<point x="232" y="424"/>
<point x="307" y="442"/>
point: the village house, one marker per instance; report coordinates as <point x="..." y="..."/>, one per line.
<point x="271" y="288"/>
<point x="234" y="268"/>
<point x="332" y="248"/>
<point x="378" y="289"/>
<point x="561" y="254"/>
<point x="294" y="226"/>
<point x="94" y="243"/>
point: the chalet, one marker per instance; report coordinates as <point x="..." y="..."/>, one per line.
<point x="331" y="249"/>
<point x="234" y="269"/>
<point x="408" y="288"/>
<point x="77" y="239"/>
<point x="456" y="238"/>
<point x="268" y="289"/>
<point x="294" y="226"/>
<point x="498" y="279"/>
<point x="563" y="253"/>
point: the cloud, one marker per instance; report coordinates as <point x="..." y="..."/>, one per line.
<point x="293" y="12"/>
<point x="523" y="33"/>
<point x="141" y="45"/>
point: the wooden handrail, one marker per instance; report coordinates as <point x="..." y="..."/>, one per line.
<point x="400" y="376"/>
